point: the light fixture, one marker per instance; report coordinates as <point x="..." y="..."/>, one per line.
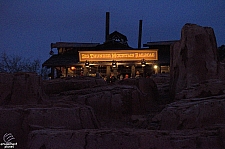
<point x="143" y="63"/>
<point x="114" y="64"/>
<point x="155" y="66"/>
<point x="86" y="64"/>
<point x="73" y="68"/>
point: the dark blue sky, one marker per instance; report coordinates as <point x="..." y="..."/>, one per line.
<point x="29" y="26"/>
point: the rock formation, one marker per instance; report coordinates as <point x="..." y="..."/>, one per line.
<point x="21" y="120"/>
<point x="195" y="70"/>
<point x="123" y="98"/>
<point x="195" y="113"/>
<point x="73" y="83"/>
<point x="25" y="108"/>
<point x="21" y="88"/>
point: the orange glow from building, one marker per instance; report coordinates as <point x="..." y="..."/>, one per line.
<point x="73" y="68"/>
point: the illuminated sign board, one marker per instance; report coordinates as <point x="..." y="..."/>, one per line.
<point x="118" y="55"/>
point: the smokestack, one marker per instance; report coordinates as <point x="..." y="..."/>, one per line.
<point x="140" y="34"/>
<point x="107" y="26"/>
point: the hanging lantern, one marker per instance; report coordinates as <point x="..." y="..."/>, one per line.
<point x="86" y="64"/>
<point x="143" y="63"/>
<point x="73" y="68"/>
<point x="114" y="64"/>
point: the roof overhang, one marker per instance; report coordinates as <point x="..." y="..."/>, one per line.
<point x="160" y="43"/>
<point x="61" y="60"/>
<point x="73" y="45"/>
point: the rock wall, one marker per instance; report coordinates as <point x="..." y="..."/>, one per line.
<point x="125" y="138"/>
<point x="195" y="113"/>
<point x="124" y="98"/>
<point x="24" y="107"/>
<point x="74" y="104"/>
<point x="21" y="88"/>
<point x="194" y="62"/>
<point x="21" y="120"/>
<point x="74" y="83"/>
<point x="163" y="85"/>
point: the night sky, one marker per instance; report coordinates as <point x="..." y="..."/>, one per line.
<point x="28" y="27"/>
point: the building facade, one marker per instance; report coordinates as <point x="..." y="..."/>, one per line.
<point x="113" y="57"/>
<point x="163" y="52"/>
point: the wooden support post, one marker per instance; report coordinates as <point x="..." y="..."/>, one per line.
<point x="85" y="71"/>
<point x="52" y="72"/>
<point x="132" y="71"/>
<point x="66" y="72"/>
<point x="108" y="71"/>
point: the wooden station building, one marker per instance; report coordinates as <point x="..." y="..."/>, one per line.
<point x="114" y="56"/>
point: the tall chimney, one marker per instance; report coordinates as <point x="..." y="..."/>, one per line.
<point x="107" y="26"/>
<point x="140" y="34"/>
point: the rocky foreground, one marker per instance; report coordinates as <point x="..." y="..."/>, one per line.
<point x="184" y="109"/>
<point x="100" y="115"/>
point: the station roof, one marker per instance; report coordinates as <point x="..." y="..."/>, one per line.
<point x="72" y="45"/>
<point x="160" y="43"/>
<point x="61" y="60"/>
<point x="117" y="35"/>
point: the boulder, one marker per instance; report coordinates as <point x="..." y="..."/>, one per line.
<point x="145" y="85"/>
<point x="148" y="87"/>
<point x="6" y="86"/>
<point x="117" y="100"/>
<point x="112" y="101"/>
<point x="20" y="120"/>
<point x="194" y="61"/>
<point x="192" y="113"/>
<point x="163" y="84"/>
<point x="21" y="88"/>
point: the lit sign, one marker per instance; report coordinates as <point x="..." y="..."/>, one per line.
<point x="118" y="55"/>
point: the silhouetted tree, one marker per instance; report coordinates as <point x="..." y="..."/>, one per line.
<point x="14" y="63"/>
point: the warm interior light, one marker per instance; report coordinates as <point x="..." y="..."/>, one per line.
<point x="72" y="68"/>
<point x="113" y="64"/>
<point x="143" y="63"/>
<point x="86" y="64"/>
<point x="155" y="66"/>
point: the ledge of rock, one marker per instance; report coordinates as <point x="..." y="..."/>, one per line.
<point x="20" y="120"/>
<point x="74" y="83"/>
<point x="125" y="138"/>
<point x="192" y="113"/>
<point x="116" y="101"/>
